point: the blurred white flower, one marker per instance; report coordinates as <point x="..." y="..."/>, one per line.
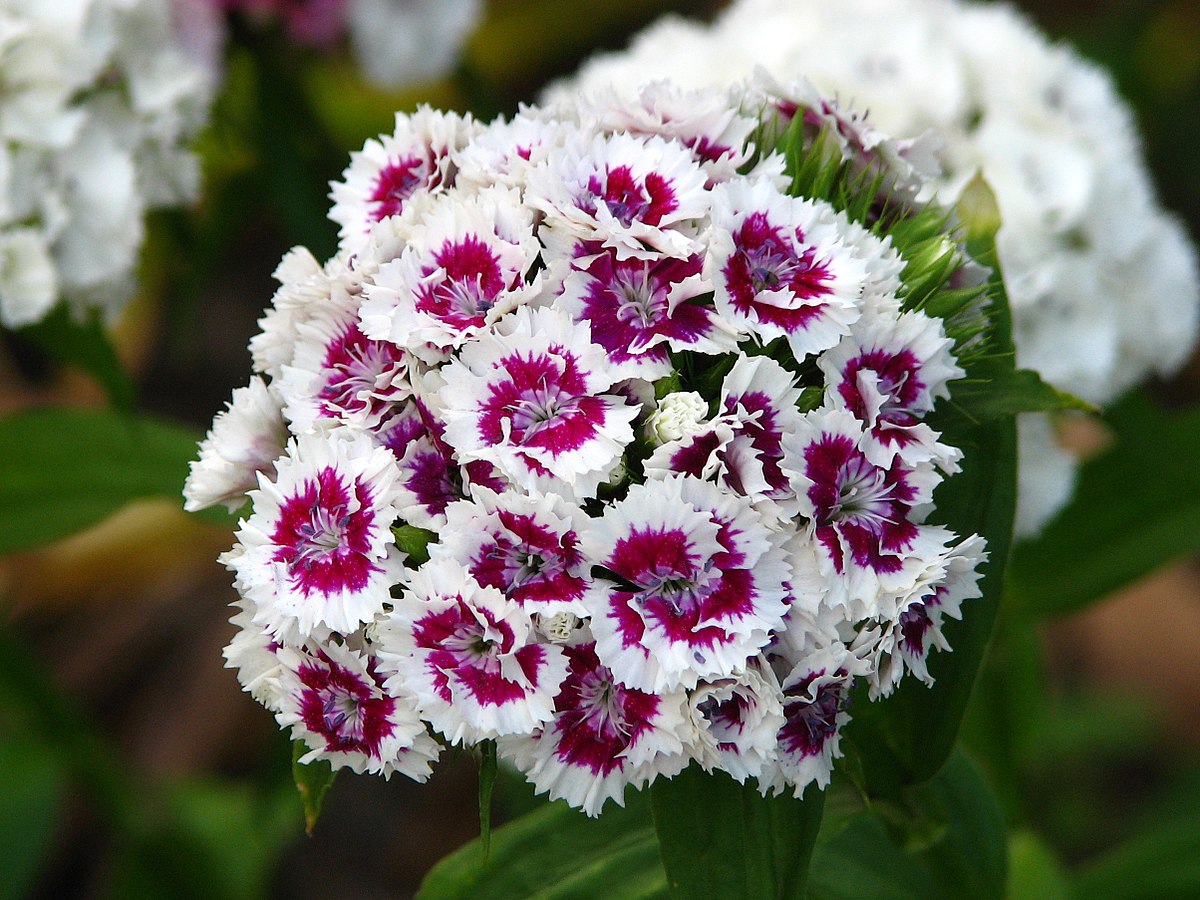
<point x="99" y="99"/>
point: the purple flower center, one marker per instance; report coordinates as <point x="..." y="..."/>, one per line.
<point x="361" y="375"/>
<point x="467" y="291"/>
<point x="726" y="719"/>
<point x="675" y="588"/>
<point x="346" y="710"/>
<point x="396" y="182"/>
<point x="323" y="534"/>
<point x="628" y="200"/>
<point x="765" y="260"/>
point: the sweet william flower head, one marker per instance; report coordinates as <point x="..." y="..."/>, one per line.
<point x="611" y="446"/>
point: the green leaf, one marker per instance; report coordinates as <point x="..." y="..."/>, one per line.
<point x="313" y="781"/>
<point x="1136" y="507"/>
<point x="415" y="542"/>
<point x="1034" y="873"/>
<point x="85" y="344"/>
<point x="557" y="852"/>
<point x="946" y="839"/>
<point x="995" y="391"/>
<point x="62" y="470"/>
<point x="722" y="839"/>
<point x="32" y="794"/>
<point x="970" y="854"/>
<point x="1159" y="864"/>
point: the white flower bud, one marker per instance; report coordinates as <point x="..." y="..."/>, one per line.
<point x="678" y="415"/>
<point x="559" y="627"/>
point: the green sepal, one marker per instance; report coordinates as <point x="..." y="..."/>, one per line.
<point x="313" y="781"/>
<point x="414" y="542"/>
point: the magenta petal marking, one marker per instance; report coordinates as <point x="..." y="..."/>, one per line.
<point x="809" y="725"/>
<point x="858" y="502"/>
<point x="344" y="709"/>
<point x="596" y="718"/>
<point x="397" y="182"/>
<point x="357" y="371"/>
<point x="628" y="200"/>
<point x="468" y="290"/>
<point x="460" y="657"/>
<point x="529" y="562"/>
<point x="764" y="259"/>
<point x="323" y="537"/>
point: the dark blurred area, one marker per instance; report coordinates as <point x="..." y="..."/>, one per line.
<point x="122" y="626"/>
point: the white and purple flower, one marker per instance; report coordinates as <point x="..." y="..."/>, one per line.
<point x="316" y="552"/>
<point x="692" y="583"/>
<point x="780" y="267"/>
<point x="382" y="177"/>
<point x="334" y="700"/>
<point x="604" y="736"/>
<point x="469" y="656"/>
<point x="865" y="517"/>
<point x="642" y="197"/>
<point x="889" y="372"/>
<point x="463" y="266"/>
<point x="530" y="400"/>
<point x="525" y="546"/>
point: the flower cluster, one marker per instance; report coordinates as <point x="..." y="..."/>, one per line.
<point x="395" y="42"/>
<point x="98" y="99"/>
<point x="1103" y="282"/>
<point x="601" y="440"/>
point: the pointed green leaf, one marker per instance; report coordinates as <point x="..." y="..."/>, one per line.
<point x="1136" y="507"/>
<point x="414" y="541"/>
<point x="721" y="839"/>
<point x="313" y="781"/>
<point x="62" y="470"/>
<point x="995" y="391"/>
<point x="557" y="852"/>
